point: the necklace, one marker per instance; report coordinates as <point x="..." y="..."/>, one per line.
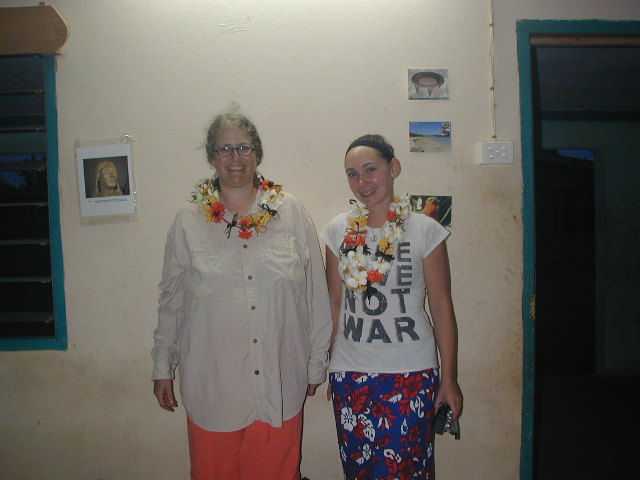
<point x="359" y="267"/>
<point x="207" y="195"/>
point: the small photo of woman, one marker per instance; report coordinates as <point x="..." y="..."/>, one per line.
<point x="106" y="177"/>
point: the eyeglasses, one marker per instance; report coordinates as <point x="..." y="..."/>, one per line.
<point x="227" y="151"/>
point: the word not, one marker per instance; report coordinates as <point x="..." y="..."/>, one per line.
<point x="377" y="304"/>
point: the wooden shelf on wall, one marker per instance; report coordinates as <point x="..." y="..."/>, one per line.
<point x="32" y="30"/>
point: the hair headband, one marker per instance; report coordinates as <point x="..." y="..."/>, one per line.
<point x="385" y="150"/>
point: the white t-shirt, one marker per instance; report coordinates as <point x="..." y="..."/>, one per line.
<point x="392" y="331"/>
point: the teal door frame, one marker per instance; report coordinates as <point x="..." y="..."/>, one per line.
<point x="525" y="29"/>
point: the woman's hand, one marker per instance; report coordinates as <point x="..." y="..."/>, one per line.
<point x="163" y="390"/>
<point x="449" y="392"/>
<point x="311" y="389"/>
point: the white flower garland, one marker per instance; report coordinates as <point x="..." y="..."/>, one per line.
<point x="360" y="268"/>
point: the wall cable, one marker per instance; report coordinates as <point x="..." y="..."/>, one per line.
<point x="492" y="73"/>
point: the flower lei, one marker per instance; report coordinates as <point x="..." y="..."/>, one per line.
<point x="360" y="268"/>
<point x="207" y="195"/>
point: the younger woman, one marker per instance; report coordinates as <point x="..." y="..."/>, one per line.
<point x="385" y="376"/>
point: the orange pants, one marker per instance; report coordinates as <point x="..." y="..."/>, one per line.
<point x="257" y="452"/>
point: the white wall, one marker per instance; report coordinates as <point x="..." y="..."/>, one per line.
<point x="313" y="75"/>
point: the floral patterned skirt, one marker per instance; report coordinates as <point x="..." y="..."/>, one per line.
<point x="384" y="424"/>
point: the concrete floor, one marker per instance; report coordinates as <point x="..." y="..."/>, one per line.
<point x="588" y="428"/>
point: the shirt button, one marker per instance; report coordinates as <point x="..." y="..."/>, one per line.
<point x="244" y="246"/>
<point x="255" y="340"/>
<point x="253" y="307"/>
<point x="250" y="277"/>
<point x="257" y="372"/>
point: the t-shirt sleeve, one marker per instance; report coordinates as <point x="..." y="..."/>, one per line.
<point x="432" y="232"/>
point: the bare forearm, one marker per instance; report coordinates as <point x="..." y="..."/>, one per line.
<point x="446" y="334"/>
<point x="438" y="282"/>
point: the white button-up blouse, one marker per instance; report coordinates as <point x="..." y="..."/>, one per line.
<point x="247" y="322"/>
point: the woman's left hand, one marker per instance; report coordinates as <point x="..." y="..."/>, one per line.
<point x="449" y="392"/>
<point x="311" y="389"/>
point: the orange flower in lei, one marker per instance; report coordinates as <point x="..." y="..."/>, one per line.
<point x="217" y="212"/>
<point x="245" y="225"/>
<point x="207" y="195"/>
<point x="374" y="276"/>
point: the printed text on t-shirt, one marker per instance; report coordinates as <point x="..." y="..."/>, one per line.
<point x="403" y="326"/>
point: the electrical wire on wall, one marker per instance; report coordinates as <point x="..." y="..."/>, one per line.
<point x="491" y="72"/>
<point x="493" y="152"/>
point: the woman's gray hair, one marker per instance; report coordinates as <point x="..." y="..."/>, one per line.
<point x="232" y="117"/>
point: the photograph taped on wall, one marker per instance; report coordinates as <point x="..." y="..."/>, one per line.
<point x="430" y="137"/>
<point x="105" y="180"/>
<point x="428" y="84"/>
<point x="437" y="207"/>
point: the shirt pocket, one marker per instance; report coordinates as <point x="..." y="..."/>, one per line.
<point x="281" y="268"/>
<point x="212" y="273"/>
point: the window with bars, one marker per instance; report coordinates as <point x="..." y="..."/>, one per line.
<point x="32" y="310"/>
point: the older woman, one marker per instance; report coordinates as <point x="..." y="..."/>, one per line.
<point x="244" y="313"/>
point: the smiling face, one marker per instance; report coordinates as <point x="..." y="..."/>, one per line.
<point x="234" y="171"/>
<point x="371" y="176"/>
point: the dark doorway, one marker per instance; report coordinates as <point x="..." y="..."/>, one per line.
<point x="565" y="316"/>
<point x="577" y="384"/>
<point x="565" y="262"/>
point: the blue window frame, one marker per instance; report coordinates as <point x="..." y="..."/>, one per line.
<point x="32" y="305"/>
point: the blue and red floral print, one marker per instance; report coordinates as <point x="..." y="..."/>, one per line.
<point x="384" y="424"/>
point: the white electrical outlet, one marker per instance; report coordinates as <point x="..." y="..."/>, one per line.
<point x="495" y="153"/>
